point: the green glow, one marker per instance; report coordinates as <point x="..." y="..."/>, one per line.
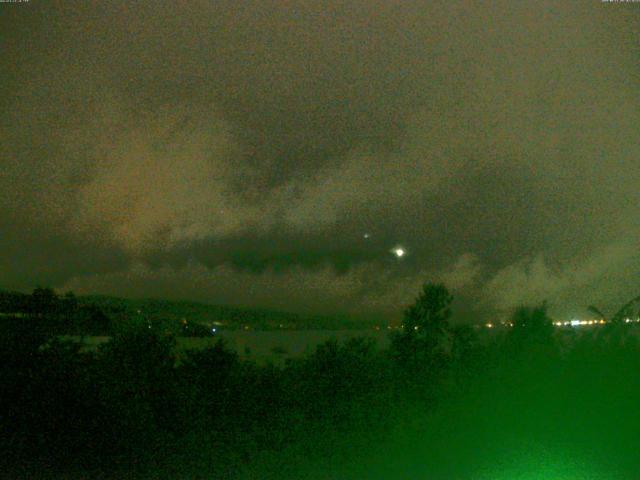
<point x="544" y="466"/>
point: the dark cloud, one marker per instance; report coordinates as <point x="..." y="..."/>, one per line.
<point x="256" y="143"/>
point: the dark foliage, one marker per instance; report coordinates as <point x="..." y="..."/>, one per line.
<point x="136" y="409"/>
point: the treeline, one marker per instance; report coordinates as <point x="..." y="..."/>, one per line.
<point x="53" y="314"/>
<point x="86" y="314"/>
<point x="438" y="403"/>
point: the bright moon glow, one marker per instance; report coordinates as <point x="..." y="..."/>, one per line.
<point x="398" y="252"/>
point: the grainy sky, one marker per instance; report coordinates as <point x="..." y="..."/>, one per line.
<point x="238" y="152"/>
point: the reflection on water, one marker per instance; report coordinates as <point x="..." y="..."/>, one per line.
<point x="265" y="345"/>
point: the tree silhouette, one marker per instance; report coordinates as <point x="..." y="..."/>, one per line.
<point x="531" y="325"/>
<point x="624" y="312"/>
<point x="44" y="301"/>
<point x="69" y="303"/>
<point x="425" y="328"/>
<point x="336" y="378"/>
<point x="430" y="312"/>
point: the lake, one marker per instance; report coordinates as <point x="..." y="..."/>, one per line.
<point x="261" y="345"/>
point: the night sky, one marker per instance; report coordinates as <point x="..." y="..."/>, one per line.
<point x="277" y="154"/>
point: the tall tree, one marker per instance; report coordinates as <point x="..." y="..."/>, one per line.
<point x="425" y="327"/>
<point x="429" y="315"/>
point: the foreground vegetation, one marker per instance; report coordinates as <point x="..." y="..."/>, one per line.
<point x="439" y="403"/>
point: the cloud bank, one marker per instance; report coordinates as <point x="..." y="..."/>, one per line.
<point x="254" y="145"/>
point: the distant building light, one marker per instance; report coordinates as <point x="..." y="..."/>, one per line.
<point x="489" y="325"/>
<point x="575" y="323"/>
